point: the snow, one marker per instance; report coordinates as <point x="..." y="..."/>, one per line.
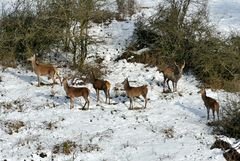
<point x="172" y="127"/>
<point x="225" y="15"/>
<point x="120" y="133"/>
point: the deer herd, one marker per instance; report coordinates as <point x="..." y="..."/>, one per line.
<point x="169" y="74"/>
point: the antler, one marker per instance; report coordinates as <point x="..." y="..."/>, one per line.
<point x="175" y="64"/>
<point x="183" y="63"/>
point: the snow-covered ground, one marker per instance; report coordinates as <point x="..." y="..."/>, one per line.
<point x="172" y="127"/>
<point x="225" y="15"/>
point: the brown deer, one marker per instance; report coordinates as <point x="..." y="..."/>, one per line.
<point x="210" y="103"/>
<point x="73" y="92"/>
<point x="221" y="144"/>
<point x="135" y="92"/>
<point x="44" y="69"/>
<point x="171" y="74"/>
<point x="104" y="85"/>
<point x="230" y="153"/>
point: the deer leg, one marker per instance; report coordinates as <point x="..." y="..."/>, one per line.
<point x="208" y="113"/>
<point x="38" y="80"/>
<point x="145" y="101"/>
<point x="213" y="112"/>
<point x="131" y="106"/>
<point x="174" y="86"/>
<point x="86" y="101"/>
<point x="58" y="77"/>
<point x="97" y="93"/>
<point x="164" y="84"/>
<point x="60" y="80"/>
<point x="218" y="114"/>
<point x="108" y="97"/>
<point x="71" y="102"/>
<point x="53" y="79"/>
<point x="168" y="85"/>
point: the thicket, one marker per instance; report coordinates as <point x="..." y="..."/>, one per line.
<point x="229" y="125"/>
<point x="49" y="26"/>
<point x="179" y="32"/>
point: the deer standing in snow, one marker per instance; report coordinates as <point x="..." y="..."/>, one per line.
<point x="210" y="103"/>
<point x="135" y="92"/>
<point x="73" y="92"/>
<point x="104" y="85"/>
<point x="44" y="69"/>
<point x="171" y="74"/>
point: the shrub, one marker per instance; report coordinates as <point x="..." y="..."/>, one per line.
<point x="66" y="147"/>
<point x="25" y="31"/>
<point x="230" y="123"/>
<point x="43" y="26"/>
<point x="231" y="119"/>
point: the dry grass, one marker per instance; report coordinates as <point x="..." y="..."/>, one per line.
<point x="168" y="133"/>
<point x="69" y="147"/>
<point x="11" y="126"/>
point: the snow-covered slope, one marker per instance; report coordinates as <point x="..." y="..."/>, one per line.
<point x="172" y="127"/>
<point x="225" y="15"/>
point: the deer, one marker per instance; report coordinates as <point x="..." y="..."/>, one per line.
<point x="44" y="69"/>
<point x="99" y="84"/>
<point x="73" y="92"/>
<point x="210" y="103"/>
<point x="135" y="92"/>
<point x="230" y="153"/>
<point x="171" y="74"/>
<point x="221" y="144"/>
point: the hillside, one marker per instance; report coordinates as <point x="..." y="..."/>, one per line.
<point x="37" y="126"/>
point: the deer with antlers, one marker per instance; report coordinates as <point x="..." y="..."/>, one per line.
<point x="73" y="92"/>
<point x="44" y="69"/>
<point x="99" y="84"/>
<point x="209" y="103"/>
<point x="135" y="92"/>
<point x="171" y="74"/>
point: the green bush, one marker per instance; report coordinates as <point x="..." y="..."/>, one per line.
<point x="26" y="31"/>
<point x="43" y="26"/>
<point x="230" y="123"/>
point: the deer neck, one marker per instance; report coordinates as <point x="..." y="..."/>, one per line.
<point x="178" y="75"/>
<point x="126" y="85"/>
<point x="65" y="85"/>
<point x="34" y="64"/>
<point x="204" y="95"/>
